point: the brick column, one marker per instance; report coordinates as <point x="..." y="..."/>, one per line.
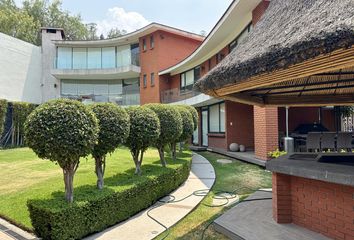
<point x="265" y="131"/>
<point x="282" y="198"/>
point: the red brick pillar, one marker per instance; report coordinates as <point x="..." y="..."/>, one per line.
<point x="265" y="131"/>
<point x="281" y="198"/>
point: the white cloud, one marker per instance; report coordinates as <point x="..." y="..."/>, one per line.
<point x="119" y="18"/>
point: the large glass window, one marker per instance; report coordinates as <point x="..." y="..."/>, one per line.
<point x="108" y="57"/>
<point x="64" y="58"/>
<point x="135" y="54"/>
<point x="217" y="118"/>
<point x="94" y="58"/>
<point x="123" y="56"/>
<point x="122" y="92"/>
<point x="79" y="58"/>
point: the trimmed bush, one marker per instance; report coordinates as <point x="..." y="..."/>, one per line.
<point x="114" y="125"/>
<point x="62" y="131"/>
<point x="3" y="110"/>
<point x="170" y="127"/>
<point x="98" y="210"/>
<point x="194" y="113"/>
<point x="144" y="131"/>
<point x="187" y="128"/>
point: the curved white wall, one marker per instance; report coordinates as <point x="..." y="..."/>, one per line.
<point x="20" y="70"/>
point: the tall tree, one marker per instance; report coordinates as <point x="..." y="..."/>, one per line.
<point x="115" y="32"/>
<point x="16" y="22"/>
<point x="24" y="23"/>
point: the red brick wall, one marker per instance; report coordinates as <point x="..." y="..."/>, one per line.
<point x="305" y="115"/>
<point x="265" y="131"/>
<point x="239" y="124"/>
<point x="323" y="207"/>
<point x="217" y="141"/>
<point x="281" y="185"/>
<point x="258" y="12"/>
<point x="169" y="49"/>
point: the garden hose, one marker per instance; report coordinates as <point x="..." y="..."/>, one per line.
<point x="219" y="194"/>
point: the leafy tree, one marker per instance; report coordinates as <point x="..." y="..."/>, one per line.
<point x="194" y="113"/>
<point x="24" y="23"/>
<point x="16" y="22"/>
<point x="170" y="127"/>
<point x="187" y="128"/>
<point x="115" y="32"/>
<point x="114" y="128"/>
<point x="144" y="131"/>
<point x="62" y="131"/>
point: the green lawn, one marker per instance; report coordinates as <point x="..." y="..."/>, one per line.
<point x="24" y="176"/>
<point x="228" y="177"/>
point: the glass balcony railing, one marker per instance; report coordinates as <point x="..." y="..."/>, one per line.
<point x="176" y="95"/>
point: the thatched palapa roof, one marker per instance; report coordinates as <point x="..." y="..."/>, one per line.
<point x="289" y="33"/>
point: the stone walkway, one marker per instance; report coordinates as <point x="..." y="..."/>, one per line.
<point x="140" y="226"/>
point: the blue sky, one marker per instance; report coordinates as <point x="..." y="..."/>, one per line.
<point x="191" y="15"/>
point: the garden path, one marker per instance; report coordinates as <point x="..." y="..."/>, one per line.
<point x="142" y="227"/>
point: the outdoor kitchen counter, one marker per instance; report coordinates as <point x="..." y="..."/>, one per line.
<point x="296" y="165"/>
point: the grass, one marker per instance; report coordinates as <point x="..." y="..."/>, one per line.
<point x="228" y="177"/>
<point x="24" y="176"/>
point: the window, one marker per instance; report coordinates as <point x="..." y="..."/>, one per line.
<point x="123" y="56"/>
<point x="152" y="79"/>
<point x="94" y="60"/>
<point x="219" y="57"/>
<point x="79" y="58"/>
<point x="152" y="42"/>
<point x="144" y="44"/>
<point x="109" y="57"/>
<point x="134" y="48"/>
<point x="240" y="37"/>
<point x="197" y="73"/>
<point x="122" y="92"/>
<point x="64" y="58"/>
<point x="217" y="118"/>
<point x="144" y="81"/>
<point x="189" y="78"/>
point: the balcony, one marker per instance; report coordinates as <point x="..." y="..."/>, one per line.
<point x="177" y="95"/>
<point x="97" y="63"/>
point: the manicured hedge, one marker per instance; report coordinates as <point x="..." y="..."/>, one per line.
<point x="54" y="220"/>
<point x="3" y="110"/>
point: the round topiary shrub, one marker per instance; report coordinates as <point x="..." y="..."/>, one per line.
<point x="114" y="125"/>
<point x="187" y="128"/>
<point x="170" y="126"/>
<point x="194" y="113"/>
<point x="62" y="131"/>
<point x="144" y="131"/>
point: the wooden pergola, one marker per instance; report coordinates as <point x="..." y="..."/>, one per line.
<point x="325" y="80"/>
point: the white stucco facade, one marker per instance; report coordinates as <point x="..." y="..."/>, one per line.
<point x="20" y="70"/>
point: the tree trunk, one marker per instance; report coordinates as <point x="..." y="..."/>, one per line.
<point x="137" y="162"/>
<point x="68" y="180"/>
<point x="181" y="147"/>
<point x="173" y="146"/>
<point x="162" y="156"/>
<point x="99" y="172"/>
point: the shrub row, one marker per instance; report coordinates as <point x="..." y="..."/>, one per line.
<point x="3" y="110"/>
<point x="63" y="221"/>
